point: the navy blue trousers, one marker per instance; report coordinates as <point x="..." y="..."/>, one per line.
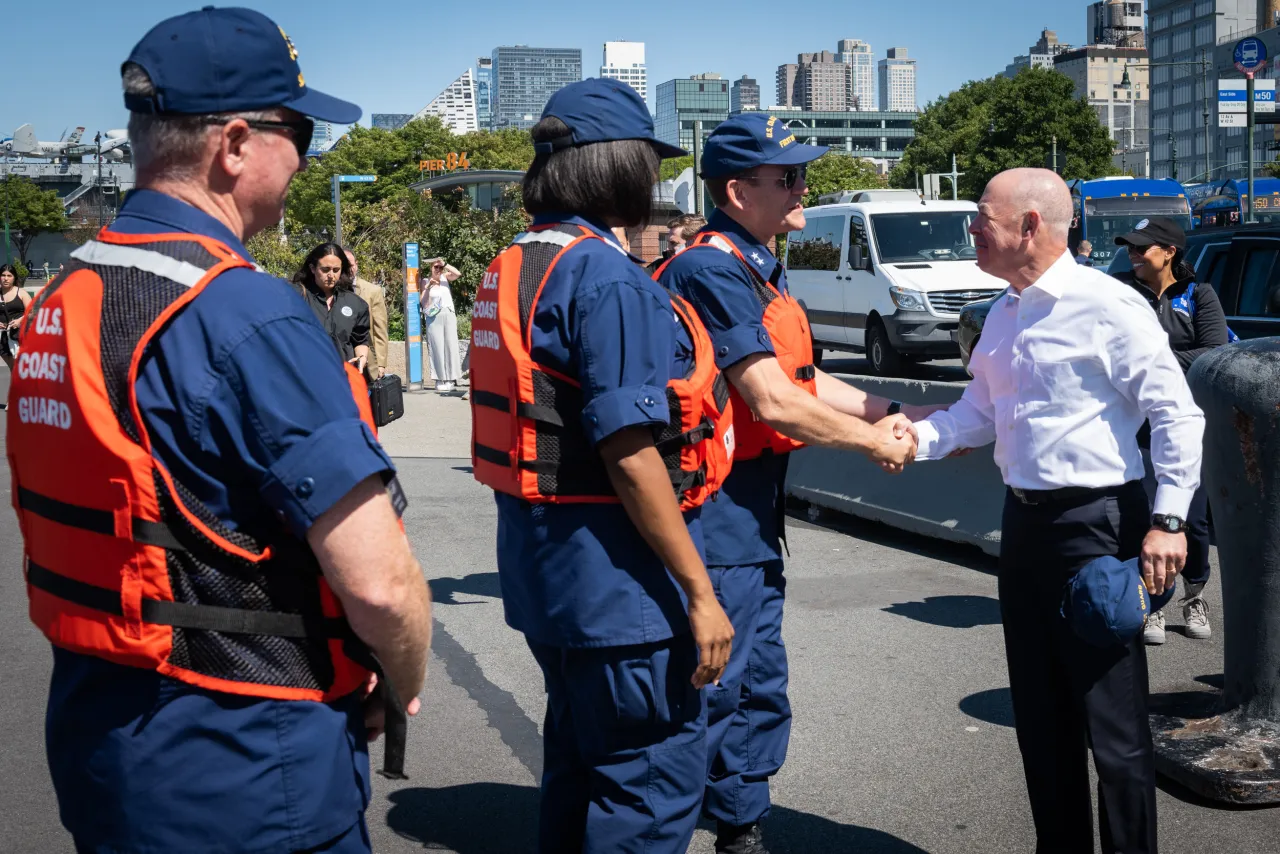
<point x="624" y="748"/>
<point x="748" y="714"/>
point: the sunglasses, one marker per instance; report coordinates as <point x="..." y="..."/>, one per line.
<point x="300" y="130"/>
<point x="788" y="179"/>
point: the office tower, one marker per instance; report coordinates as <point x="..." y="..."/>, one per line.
<point x="391" y="121"/>
<point x="897" y="82"/>
<point x="526" y="77"/>
<point x="862" y="83"/>
<point x="744" y="95"/>
<point x="455" y="106"/>
<point x="681" y="102"/>
<point x="625" y="61"/>
<point x="484" y="92"/>
<point x="1039" y="55"/>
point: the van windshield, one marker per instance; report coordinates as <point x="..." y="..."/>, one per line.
<point x="924" y="236"/>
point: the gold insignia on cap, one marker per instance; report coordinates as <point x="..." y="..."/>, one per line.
<point x="301" y="82"/>
<point x="293" y="51"/>
<point x="768" y="127"/>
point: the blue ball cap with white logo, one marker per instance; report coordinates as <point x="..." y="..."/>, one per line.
<point x="749" y="140"/>
<point x="601" y="110"/>
<point x="1107" y="602"/>
<point x="227" y="61"/>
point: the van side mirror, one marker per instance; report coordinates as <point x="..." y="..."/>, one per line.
<point x="856" y="260"/>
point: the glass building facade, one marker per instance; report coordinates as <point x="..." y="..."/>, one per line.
<point x="879" y="135"/>
<point x="524" y="78"/>
<point x="391" y="121"/>
<point x="484" y="90"/>
<point x="681" y="102"/>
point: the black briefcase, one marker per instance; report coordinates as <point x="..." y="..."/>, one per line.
<point x="386" y="398"/>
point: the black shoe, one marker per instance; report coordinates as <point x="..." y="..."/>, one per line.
<point x="746" y="839"/>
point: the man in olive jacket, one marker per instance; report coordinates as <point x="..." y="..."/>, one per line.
<point x="372" y="294"/>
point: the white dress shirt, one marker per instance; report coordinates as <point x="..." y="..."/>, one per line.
<point x="1063" y="377"/>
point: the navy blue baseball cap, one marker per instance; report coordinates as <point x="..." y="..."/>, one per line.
<point x="1107" y="602"/>
<point x="227" y="61"/>
<point x="600" y="110"/>
<point x="749" y="140"/>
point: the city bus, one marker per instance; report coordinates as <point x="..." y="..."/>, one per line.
<point x="1221" y="203"/>
<point x="1106" y="208"/>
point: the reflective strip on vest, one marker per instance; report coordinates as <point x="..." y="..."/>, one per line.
<point x="559" y="238"/>
<point x="721" y="243"/>
<point x="116" y="255"/>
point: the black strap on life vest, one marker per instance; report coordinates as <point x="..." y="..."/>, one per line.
<point x="806" y="372"/>
<point x="98" y="521"/>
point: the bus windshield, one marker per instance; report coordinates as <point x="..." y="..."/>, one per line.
<point x="924" y="236"/>
<point x="1107" y="219"/>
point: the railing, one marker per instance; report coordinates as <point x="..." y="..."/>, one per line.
<point x="1242" y="34"/>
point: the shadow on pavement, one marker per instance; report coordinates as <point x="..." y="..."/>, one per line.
<point x="993" y="707"/>
<point x="477" y="584"/>
<point x="499" y="818"/>
<point x="953" y="612"/>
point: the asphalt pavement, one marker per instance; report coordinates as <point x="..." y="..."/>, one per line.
<point x="902" y="739"/>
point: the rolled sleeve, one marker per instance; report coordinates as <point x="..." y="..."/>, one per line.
<point x="315" y="472"/>
<point x="616" y="410"/>
<point x="724" y="297"/>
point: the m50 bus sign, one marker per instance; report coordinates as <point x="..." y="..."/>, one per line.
<point x="453" y="160"/>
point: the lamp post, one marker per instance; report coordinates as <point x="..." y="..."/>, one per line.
<point x="1203" y="64"/>
<point x="7" y="257"/>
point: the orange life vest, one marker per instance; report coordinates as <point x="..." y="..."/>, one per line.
<point x="122" y="562"/>
<point x="527" y="436"/>
<point x="788" y="328"/>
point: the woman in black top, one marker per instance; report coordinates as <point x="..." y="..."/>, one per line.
<point x="324" y="280"/>
<point x="1192" y="316"/>
<point x="13" y="303"/>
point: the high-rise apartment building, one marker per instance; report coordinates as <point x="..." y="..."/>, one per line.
<point x="818" y="82"/>
<point x="856" y="54"/>
<point x="744" y="95"/>
<point x="391" y="121"/>
<point x="526" y="77"/>
<point x="681" y="102"/>
<point x="322" y="137"/>
<point x="1179" y="31"/>
<point x="785" y="83"/>
<point x="1116" y="22"/>
<point x="1039" y="55"/>
<point x="484" y="92"/>
<point x="897" y="82"/>
<point x="455" y="106"/>
<point x="1098" y="73"/>
<point x="625" y="61"/>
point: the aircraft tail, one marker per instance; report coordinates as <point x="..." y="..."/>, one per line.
<point x="75" y="137"/>
<point x="24" y="141"/>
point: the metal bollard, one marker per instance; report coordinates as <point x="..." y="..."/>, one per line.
<point x="1234" y="756"/>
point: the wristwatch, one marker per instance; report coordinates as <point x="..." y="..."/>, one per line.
<point x="895" y="406"/>
<point x="1168" y="523"/>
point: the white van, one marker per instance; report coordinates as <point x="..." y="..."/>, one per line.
<point x="884" y="273"/>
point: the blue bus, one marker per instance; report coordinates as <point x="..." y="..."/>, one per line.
<point x="1106" y="208"/>
<point x="1221" y="203"/>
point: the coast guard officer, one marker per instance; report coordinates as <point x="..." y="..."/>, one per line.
<point x="589" y="387"/>
<point x="200" y="494"/>
<point x="754" y="170"/>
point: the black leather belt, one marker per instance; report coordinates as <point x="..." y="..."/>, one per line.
<point x="1032" y="497"/>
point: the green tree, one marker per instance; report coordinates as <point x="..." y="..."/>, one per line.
<point x="672" y="167"/>
<point x="997" y="124"/>
<point x="30" y="211"/>
<point x="838" y="171"/>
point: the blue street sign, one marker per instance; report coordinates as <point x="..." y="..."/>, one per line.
<point x="1250" y="55"/>
<point x="357" y="179"/>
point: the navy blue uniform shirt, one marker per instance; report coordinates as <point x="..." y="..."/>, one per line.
<point x="580" y="575"/>
<point x="744" y="523"/>
<point x="247" y="405"/>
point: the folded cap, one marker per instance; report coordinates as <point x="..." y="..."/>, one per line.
<point x="1155" y="230"/>
<point x="1106" y="603"/>
<point x="227" y="61"/>
<point x="749" y="140"/>
<point x="601" y="110"/>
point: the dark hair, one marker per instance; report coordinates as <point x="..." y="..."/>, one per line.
<point x="718" y="189"/>
<point x="9" y="268"/>
<point x="688" y="224"/>
<point x="599" y="180"/>
<point x="1181" y="269"/>
<point x="305" y="276"/>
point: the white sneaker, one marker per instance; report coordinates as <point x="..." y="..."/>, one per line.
<point x="1196" y="613"/>
<point x="1153" y="632"/>
<point x="444" y="387"/>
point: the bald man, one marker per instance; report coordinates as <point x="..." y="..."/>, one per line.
<point x="1069" y="365"/>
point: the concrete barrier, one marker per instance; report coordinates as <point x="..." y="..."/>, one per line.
<point x="958" y="499"/>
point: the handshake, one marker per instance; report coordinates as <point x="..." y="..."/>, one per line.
<point x="896" y="443"/>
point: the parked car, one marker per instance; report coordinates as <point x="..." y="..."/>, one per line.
<point x="1241" y="263"/>
<point x="884" y="273"/>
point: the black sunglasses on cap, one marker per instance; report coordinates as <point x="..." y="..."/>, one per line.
<point x="300" y="130"/>
<point x="788" y="179"/>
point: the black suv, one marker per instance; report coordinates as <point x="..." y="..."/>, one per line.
<point x="1241" y="263"/>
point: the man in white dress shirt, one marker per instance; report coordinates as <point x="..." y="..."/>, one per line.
<point x="1069" y="365"/>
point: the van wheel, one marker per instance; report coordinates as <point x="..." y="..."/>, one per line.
<point x="885" y="361"/>
<point x="817" y="355"/>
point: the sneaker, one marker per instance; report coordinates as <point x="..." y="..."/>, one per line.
<point x="1196" y="613"/>
<point x="444" y="387"/>
<point x="746" y="839"/>
<point x="1153" y="633"/>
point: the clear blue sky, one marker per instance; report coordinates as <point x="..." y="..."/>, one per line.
<point x="62" y="59"/>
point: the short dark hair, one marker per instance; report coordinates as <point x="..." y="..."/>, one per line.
<point x="688" y="224"/>
<point x="305" y="275"/>
<point x="718" y="189"/>
<point x="599" y="180"/>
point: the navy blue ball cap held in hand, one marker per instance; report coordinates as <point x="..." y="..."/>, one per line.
<point x="600" y="110"/>
<point x="1107" y="603"/>
<point x="227" y="61"/>
<point x="749" y="140"/>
